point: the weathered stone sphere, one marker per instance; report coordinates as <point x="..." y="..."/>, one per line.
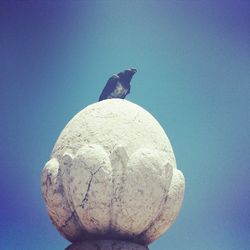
<point x="112" y="175"/>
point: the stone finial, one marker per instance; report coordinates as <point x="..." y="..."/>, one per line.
<point x="112" y="176"/>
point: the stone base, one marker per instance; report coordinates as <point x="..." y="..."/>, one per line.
<point x="106" y="245"/>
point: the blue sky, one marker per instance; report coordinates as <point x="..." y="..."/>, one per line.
<point x="193" y="75"/>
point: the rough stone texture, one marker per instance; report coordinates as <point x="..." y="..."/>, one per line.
<point x="112" y="175"/>
<point x="106" y="245"/>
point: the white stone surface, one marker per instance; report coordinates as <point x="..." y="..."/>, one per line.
<point x="112" y="175"/>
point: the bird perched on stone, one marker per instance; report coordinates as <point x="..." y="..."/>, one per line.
<point x="118" y="86"/>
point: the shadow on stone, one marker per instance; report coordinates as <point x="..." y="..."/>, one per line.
<point x="106" y="245"/>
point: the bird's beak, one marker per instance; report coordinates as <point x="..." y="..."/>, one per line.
<point x="133" y="70"/>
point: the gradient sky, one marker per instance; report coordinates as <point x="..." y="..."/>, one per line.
<point x="193" y="61"/>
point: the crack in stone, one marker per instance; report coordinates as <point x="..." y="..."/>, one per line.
<point x="65" y="224"/>
<point x="85" y="198"/>
<point x="47" y="183"/>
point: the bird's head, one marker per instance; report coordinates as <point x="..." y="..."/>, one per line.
<point x="128" y="72"/>
<point x="132" y="71"/>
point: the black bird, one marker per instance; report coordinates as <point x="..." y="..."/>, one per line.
<point x="118" y="86"/>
